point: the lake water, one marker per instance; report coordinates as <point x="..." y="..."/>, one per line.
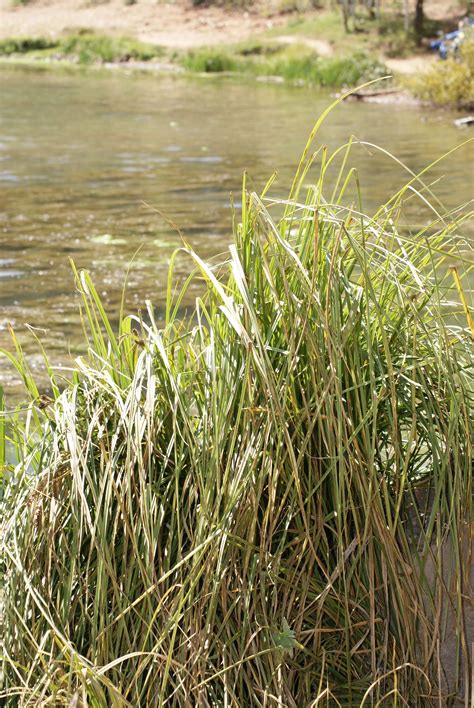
<point x="95" y="165"/>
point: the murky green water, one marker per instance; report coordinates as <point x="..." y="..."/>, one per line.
<point x="95" y="166"/>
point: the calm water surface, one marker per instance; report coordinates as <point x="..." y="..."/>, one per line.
<point x="95" y="166"/>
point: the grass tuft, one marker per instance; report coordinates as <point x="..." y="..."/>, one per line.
<point x="245" y="506"/>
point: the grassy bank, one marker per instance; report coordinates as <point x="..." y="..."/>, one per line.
<point x="314" y="46"/>
<point x="293" y="64"/>
<point x="256" y="58"/>
<point x="243" y="506"/>
<point x="84" y="48"/>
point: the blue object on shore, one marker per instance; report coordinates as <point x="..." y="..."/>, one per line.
<point x="451" y="40"/>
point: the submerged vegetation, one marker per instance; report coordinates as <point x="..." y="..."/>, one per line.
<point x="245" y="504"/>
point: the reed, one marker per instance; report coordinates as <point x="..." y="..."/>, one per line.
<point x="240" y="508"/>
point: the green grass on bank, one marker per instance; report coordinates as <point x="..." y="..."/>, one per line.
<point x="254" y="58"/>
<point x="254" y="501"/>
<point x="84" y="47"/>
<point x="292" y="63"/>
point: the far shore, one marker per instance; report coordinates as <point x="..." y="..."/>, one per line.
<point x="263" y="43"/>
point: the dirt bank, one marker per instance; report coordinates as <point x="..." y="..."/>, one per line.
<point x="176" y="25"/>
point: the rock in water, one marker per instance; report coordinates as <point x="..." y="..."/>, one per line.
<point x="464" y="122"/>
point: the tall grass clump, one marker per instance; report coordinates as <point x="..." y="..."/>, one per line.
<point x="251" y="506"/>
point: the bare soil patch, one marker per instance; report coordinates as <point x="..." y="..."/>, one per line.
<point x="320" y="46"/>
<point x="411" y="66"/>
<point x="176" y="25"/>
<point x="170" y="25"/>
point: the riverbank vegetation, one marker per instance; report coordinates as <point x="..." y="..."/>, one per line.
<point x="323" y="46"/>
<point x="254" y="501"/>
<point x="294" y="63"/>
<point x="254" y="58"/>
<point x="84" y="47"/>
<point x="291" y="62"/>
<point x="450" y="83"/>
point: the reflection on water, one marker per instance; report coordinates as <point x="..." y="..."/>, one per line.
<point x="94" y="167"/>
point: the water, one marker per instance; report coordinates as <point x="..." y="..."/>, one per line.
<point x="104" y="167"/>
